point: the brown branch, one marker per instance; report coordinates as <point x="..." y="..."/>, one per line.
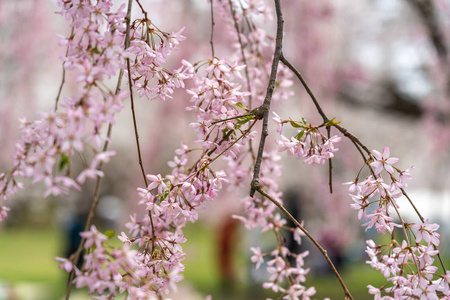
<point x="305" y="85"/>
<point x="264" y="109"/>
<point x="63" y="79"/>
<point x="233" y="118"/>
<point x="257" y="187"/>
<point x="211" y="40"/>
<point x="136" y="133"/>
<point x="130" y="86"/>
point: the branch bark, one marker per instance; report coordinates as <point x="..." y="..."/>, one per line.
<point x="265" y="108"/>
<point x="257" y="187"/>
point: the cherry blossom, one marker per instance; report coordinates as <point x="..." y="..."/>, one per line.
<point x="383" y="161"/>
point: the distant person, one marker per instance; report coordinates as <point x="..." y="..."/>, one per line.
<point x="73" y="239"/>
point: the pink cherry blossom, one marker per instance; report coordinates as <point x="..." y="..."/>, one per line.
<point x="427" y="232"/>
<point x="383" y="161"/>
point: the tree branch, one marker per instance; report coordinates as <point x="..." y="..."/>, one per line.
<point x="257" y="187"/>
<point x="265" y="108"/>
<point x="211" y="41"/>
<point x="63" y="79"/>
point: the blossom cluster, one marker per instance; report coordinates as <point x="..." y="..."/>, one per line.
<point x="308" y="143"/>
<point x="407" y="265"/>
<point x="150" y="48"/>
<point x="218" y="103"/>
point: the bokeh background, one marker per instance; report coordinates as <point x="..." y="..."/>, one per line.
<point x="381" y="67"/>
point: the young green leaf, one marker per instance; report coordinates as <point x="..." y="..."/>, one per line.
<point x="295" y="124"/>
<point x="110" y="234"/>
<point x="300" y="135"/>
<point x="64" y="161"/>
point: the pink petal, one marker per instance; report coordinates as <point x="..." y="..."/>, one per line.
<point x="377" y="155"/>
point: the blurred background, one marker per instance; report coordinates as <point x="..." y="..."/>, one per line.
<point x="381" y="67"/>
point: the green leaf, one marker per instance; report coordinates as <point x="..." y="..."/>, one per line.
<point x="239" y="104"/>
<point x="224" y="133"/>
<point x="110" y="233"/>
<point x="300" y="135"/>
<point x="332" y="122"/>
<point x="295" y="124"/>
<point x="64" y="161"/>
<point x="243" y="120"/>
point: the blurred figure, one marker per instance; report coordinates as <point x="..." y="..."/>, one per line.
<point x="75" y="225"/>
<point x="226" y="244"/>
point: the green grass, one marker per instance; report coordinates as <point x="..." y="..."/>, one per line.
<point x="28" y="255"/>
<point x="27" y="262"/>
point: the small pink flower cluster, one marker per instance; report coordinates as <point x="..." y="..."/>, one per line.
<point x="150" y="58"/>
<point x="215" y="98"/>
<point x="108" y="271"/>
<point x="309" y="143"/>
<point x="407" y="265"/>
<point x="171" y="202"/>
<point x="154" y="270"/>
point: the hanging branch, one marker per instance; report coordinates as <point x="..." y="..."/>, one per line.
<point x="211" y="40"/>
<point x="358" y="144"/>
<point x="262" y="112"/>
<point x="130" y="86"/>
<point x="257" y="187"/>
<point x="76" y="256"/>
<point x="63" y="79"/>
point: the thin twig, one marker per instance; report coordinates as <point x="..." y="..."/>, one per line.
<point x="264" y="109"/>
<point x="142" y="10"/>
<point x="257" y="187"/>
<point x="63" y="79"/>
<point x="244" y="59"/>
<point x="423" y="221"/>
<point x="232" y="118"/>
<point x="211" y="40"/>
<point x="136" y="133"/>
<point x="130" y="86"/>
<point x="305" y="85"/>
